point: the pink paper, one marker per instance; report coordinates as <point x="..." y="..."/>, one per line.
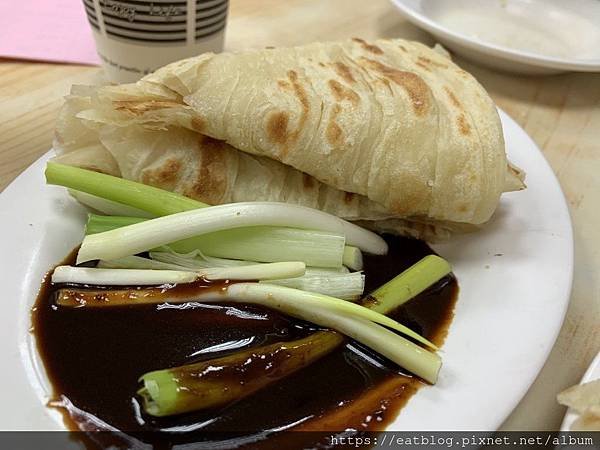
<point x="47" y="30"/>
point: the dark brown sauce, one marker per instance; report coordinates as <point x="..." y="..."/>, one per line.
<point x="94" y="357"/>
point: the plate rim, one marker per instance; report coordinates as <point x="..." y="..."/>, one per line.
<point x="521" y="56"/>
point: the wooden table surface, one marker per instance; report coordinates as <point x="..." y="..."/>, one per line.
<point x="561" y="113"/>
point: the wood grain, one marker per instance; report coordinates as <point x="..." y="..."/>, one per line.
<point x="30" y="95"/>
<point x="561" y="113"/>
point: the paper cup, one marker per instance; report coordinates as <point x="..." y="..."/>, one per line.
<point x="134" y="38"/>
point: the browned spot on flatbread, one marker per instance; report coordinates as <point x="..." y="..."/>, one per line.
<point x="463" y="208"/>
<point x="334" y="134"/>
<point x="210" y="182"/>
<point x="278" y="123"/>
<point x="198" y="123"/>
<point x="423" y="66"/>
<point x="138" y="108"/>
<point x="463" y="125"/>
<point x="269" y="47"/>
<point x="413" y="84"/>
<point x="429" y="62"/>
<point x="344" y="72"/>
<point x="300" y="92"/>
<point x="403" y="48"/>
<point x="277" y="127"/>
<point x="368" y="47"/>
<point x="452" y="97"/>
<point x="341" y="92"/>
<point x="307" y="181"/>
<point x="164" y="176"/>
<point x="348" y="197"/>
<point x="321" y="64"/>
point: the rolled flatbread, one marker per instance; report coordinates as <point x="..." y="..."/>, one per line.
<point x="389" y="132"/>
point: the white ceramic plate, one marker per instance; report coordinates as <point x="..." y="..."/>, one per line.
<point x="591" y="374"/>
<point x="514" y="277"/>
<point x="526" y="36"/>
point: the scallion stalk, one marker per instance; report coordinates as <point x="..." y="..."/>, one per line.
<point x="261" y="244"/>
<point x="133" y="277"/>
<point x="268" y="244"/>
<point x="265" y="271"/>
<point x="99" y="224"/>
<point x="352" y="258"/>
<point x="108" y="206"/>
<point x="137" y="262"/>
<point x="287" y="298"/>
<point x="346" y="286"/>
<point x="337" y="283"/>
<point x="163" y="392"/>
<point x="147" y="235"/>
<point x="156" y="201"/>
<point x="408" y="284"/>
<point x="120" y="277"/>
<point x="196" y="260"/>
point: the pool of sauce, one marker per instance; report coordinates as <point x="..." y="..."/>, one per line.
<point x="95" y="356"/>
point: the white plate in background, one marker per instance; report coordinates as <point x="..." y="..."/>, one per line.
<point x="525" y="36"/>
<point x="514" y="277"/>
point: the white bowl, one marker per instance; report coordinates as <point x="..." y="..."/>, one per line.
<point x="525" y="36"/>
